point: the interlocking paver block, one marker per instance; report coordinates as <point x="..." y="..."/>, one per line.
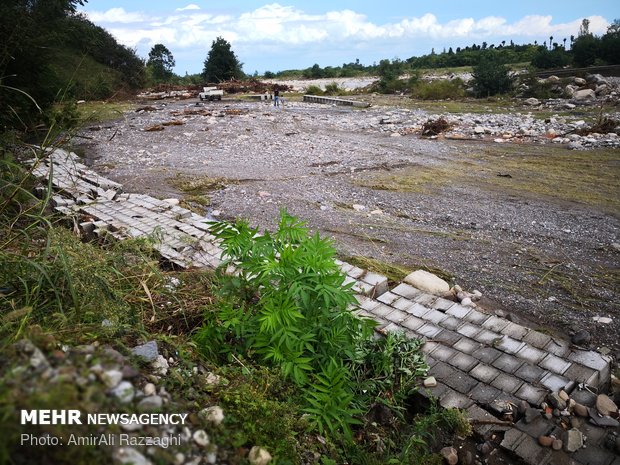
<point x="582" y="374"/>
<point x="558" y="347"/>
<point x="413" y="323"/>
<point x="442" y="304"/>
<point x="452" y="399"/>
<point x="532" y="453"/>
<point x="407" y="291"/>
<point x="435" y="316"/>
<point x="355" y="272"/>
<point x="507" y="363"/>
<point x="448" y="337"/>
<point x="532" y="394"/>
<point x="397" y="316"/>
<point x="425" y="299"/>
<point x="458" y="311"/>
<point x="484" y="373"/>
<point x="387" y="297"/>
<point x="463" y="361"/>
<point x="382" y="310"/>
<point x="554" y="382"/>
<point x="402" y="303"/>
<point x="418" y="310"/>
<point x="507" y="383"/>
<point x="509" y="345"/>
<point x="476" y="317"/>
<point x="468" y="330"/>
<point x="594" y="456"/>
<point x="512" y="439"/>
<point x="487" y="337"/>
<point x="554" y="364"/>
<point x="530" y="373"/>
<point x="430" y="346"/>
<point x="443" y="353"/>
<point x="451" y="323"/>
<point x="515" y="331"/>
<point x="484" y="394"/>
<point x="460" y="382"/>
<point x="531" y="354"/>
<point x="488" y="355"/>
<point x="537" y="339"/>
<point x="441" y="370"/>
<point x="379" y="282"/>
<point x="429" y="330"/>
<point x="538" y="427"/>
<point x="590" y="359"/>
<point x="467" y="346"/>
<point x="495" y="323"/>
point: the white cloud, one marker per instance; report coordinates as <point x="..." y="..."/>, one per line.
<point x="117" y="15"/>
<point x="191" y="6"/>
<point x="294" y="32"/>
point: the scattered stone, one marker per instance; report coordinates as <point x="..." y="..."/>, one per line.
<point x="160" y="365"/>
<point x="124" y="392"/>
<point x="129" y="456"/>
<point x="532" y="101"/>
<point x="131" y="426"/>
<point x="150" y="403"/>
<point x="111" y="378"/>
<point x="605" y="405"/>
<point x="213" y="415"/>
<point x="563" y="395"/>
<point x="603" y="421"/>
<point x="556" y="401"/>
<point x="259" y="456"/>
<point x="602" y="319"/>
<point x="147" y="351"/>
<point x="581" y="410"/>
<point x="430" y="382"/>
<point x="557" y="444"/>
<point x="584" y="94"/>
<point x="173" y="202"/>
<point x="357" y="207"/>
<point x="574" y="440"/>
<point x="450" y="455"/>
<point x="428" y="282"/>
<point x="579" y="81"/>
<point x="149" y="389"/>
<point x="479" y="130"/>
<point x="545" y="441"/>
<point x="581" y="338"/>
<point x="201" y="438"/>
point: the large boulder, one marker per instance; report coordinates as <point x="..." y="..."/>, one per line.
<point x="584" y="94"/>
<point x="570" y="90"/>
<point x="428" y="282"/>
<point x="579" y="81"/>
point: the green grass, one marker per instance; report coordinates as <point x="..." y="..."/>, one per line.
<point x="92" y="112"/>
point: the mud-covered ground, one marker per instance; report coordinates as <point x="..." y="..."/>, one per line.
<point x="535" y="227"/>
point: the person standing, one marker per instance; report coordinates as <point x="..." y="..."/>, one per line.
<point x="276" y="97"/>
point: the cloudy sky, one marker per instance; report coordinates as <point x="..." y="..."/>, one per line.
<point x="296" y="34"/>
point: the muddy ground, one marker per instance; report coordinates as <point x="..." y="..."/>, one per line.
<point x="534" y="227"/>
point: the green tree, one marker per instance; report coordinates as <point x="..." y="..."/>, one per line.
<point x="490" y="77"/>
<point x="221" y="63"/>
<point x="160" y="63"/>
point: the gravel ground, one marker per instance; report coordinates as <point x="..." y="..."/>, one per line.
<point x="546" y="260"/>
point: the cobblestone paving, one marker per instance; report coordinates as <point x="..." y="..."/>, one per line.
<point x="481" y="362"/>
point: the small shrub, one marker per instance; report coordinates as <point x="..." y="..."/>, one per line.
<point x="438" y="90"/>
<point x="334" y="89"/>
<point x="314" y="90"/>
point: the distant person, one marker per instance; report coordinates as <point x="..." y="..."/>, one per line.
<point x="276" y="98"/>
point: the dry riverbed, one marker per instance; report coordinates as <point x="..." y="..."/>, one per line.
<point x="532" y="225"/>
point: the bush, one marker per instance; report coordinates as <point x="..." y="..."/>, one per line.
<point x="438" y="90"/>
<point x="314" y="90"/>
<point x="334" y="89"/>
<point x="491" y="78"/>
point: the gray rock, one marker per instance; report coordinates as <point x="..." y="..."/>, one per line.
<point x="584" y="397"/>
<point x="531" y="414"/>
<point x="150" y="403"/>
<point x="579" y="81"/>
<point x="124" y="392"/>
<point x="213" y="415"/>
<point x="575" y="145"/>
<point x="574" y="440"/>
<point x="129" y="456"/>
<point x="581" y="338"/>
<point x="160" y="365"/>
<point x="450" y="455"/>
<point x="602" y="421"/>
<point x="479" y="130"/>
<point x="111" y="378"/>
<point x="585" y="94"/>
<point x="146" y="351"/>
<point x="532" y="101"/>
